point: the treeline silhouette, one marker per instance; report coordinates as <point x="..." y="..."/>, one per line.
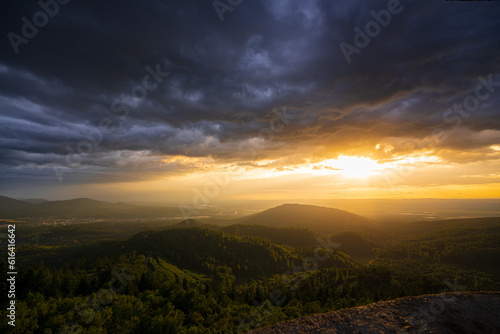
<point x="209" y="279"/>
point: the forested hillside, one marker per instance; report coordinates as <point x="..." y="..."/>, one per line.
<point x="191" y="277"/>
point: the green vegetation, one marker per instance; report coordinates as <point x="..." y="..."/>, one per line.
<point x="191" y="277"/>
<point x="467" y="251"/>
<point x="294" y="237"/>
<point x="355" y="244"/>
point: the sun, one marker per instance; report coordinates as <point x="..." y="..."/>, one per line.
<point x="352" y="166"/>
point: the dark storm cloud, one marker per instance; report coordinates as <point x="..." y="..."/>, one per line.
<point x="226" y="77"/>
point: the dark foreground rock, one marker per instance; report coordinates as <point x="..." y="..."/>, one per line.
<point x="457" y="312"/>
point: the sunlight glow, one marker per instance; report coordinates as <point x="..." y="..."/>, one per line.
<point x="352" y="166"/>
<point x="357" y="166"/>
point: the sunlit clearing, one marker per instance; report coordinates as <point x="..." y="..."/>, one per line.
<point x="352" y="166"/>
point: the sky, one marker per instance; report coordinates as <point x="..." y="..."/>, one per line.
<point x="196" y="101"/>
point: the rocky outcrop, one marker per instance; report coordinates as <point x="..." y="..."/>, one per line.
<point x="446" y="313"/>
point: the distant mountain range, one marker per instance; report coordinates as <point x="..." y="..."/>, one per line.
<point x="33" y="200"/>
<point x="321" y="220"/>
<point x="80" y="208"/>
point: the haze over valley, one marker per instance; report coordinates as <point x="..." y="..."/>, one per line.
<point x="237" y="166"/>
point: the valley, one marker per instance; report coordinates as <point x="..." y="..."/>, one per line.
<point x="153" y="275"/>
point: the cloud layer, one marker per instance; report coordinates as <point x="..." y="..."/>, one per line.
<point x="74" y="101"/>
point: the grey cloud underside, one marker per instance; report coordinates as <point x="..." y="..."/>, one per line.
<point x="225" y="78"/>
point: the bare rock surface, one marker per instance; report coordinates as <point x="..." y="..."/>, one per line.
<point x="446" y="313"/>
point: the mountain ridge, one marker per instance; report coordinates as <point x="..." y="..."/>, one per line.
<point x="81" y="208"/>
<point x="320" y="219"/>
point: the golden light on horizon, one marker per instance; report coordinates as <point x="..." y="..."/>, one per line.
<point x="353" y="166"/>
<point x="336" y="175"/>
